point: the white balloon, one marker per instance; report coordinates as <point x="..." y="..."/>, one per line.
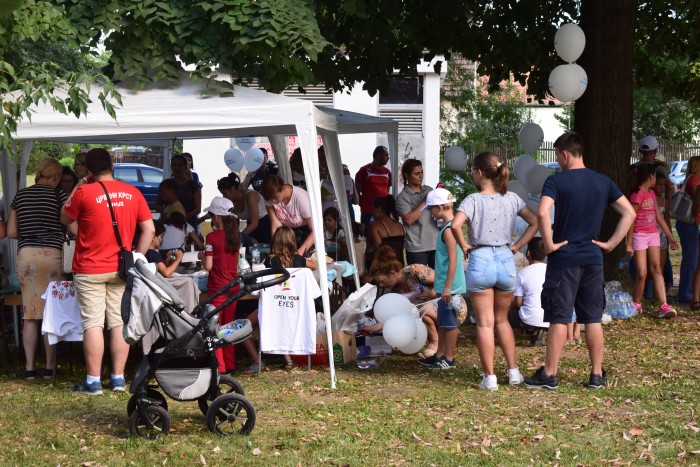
<point x="536" y="177"/>
<point x="456" y="158"/>
<point x="533" y="204"/>
<point x="564" y="82"/>
<point x="400" y="330"/>
<point x="254" y="158"/>
<point x="245" y="143"/>
<point x="518" y="188"/>
<point x="569" y="42"/>
<point x="233" y="158"/>
<point x="531" y="137"/>
<point x="522" y="165"/>
<point x="391" y="304"/>
<point x="582" y="81"/>
<point x="419" y="341"/>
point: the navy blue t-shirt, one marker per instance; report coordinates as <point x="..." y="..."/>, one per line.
<point x="580" y="199"/>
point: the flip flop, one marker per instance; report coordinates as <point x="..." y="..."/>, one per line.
<point x="288" y="364"/>
<point x="253" y="369"/>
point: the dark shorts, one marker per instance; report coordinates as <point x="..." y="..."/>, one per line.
<point x="447" y="317"/>
<point x="580" y="287"/>
<point x="421" y="257"/>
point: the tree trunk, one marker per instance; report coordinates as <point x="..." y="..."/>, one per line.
<point x="603" y="115"/>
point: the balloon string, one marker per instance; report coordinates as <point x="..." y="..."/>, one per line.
<point x="425" y="305"/>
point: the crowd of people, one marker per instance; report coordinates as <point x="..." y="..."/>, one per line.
<point x="415" y="246"/>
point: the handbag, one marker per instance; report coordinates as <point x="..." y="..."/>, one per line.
<point x="68" y="248"/>
<point x="68" y="253"/>
<point x="126" y="257"/>
<point x="681" y="206"/>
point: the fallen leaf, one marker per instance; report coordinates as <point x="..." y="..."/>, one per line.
<point x="626" y="437"/>
<point x="484" y="452"/>
<point x="538" y="437"/>
<point x="695" y="453"/>
<point x="636" y="431"/>
<point x="256" y="452"/>
<point x="216" y="449"/>
<point x="416" y="437"/>
<point x="439" y="424"/>
<point x="202" y="460"/>
<point x="557" y="456"/>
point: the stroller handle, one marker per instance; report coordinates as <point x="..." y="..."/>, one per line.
<point x="250" y="283"/>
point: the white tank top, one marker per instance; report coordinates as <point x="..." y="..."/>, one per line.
<point x="262" y="211"/>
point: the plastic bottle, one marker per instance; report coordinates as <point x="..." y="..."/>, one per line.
<point x="255" y="255"/>
<point x="243" y="266"/>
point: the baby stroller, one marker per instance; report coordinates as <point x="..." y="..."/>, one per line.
<point x="179" y="353"/>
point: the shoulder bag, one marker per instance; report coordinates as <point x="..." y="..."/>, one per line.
<point x="126" y="257"/>
<point x="681" y="206"/>
<point x="68" y="243"/>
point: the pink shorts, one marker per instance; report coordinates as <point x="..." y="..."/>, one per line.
<point x="643" y="240"/>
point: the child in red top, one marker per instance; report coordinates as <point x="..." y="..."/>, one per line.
<point x="221" y="260"/>
<point x="643" y="242"/>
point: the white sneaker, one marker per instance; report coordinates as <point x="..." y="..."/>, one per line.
<point x="514" y="376"/>
<point x="489" y="382"/>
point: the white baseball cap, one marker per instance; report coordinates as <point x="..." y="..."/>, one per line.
<point x="221" y="207"/>
<point x="648" y="143"/>
<point x="438" y="197"/>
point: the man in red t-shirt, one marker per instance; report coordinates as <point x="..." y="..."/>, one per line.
<point x="95" y="264"/>
<point x="372" y="181"/>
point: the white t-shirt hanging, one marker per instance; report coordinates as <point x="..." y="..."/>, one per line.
<point x="288" y="316"/>
<point x="528" y="284"/>
<point x="61" y="313"/>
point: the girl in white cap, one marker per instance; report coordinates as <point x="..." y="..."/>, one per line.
<point x="220" y="258"/>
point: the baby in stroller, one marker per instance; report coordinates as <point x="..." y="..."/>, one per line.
<point x="179" y="353"/>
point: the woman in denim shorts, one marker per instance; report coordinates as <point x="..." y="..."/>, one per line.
<point x="490" y="217"/>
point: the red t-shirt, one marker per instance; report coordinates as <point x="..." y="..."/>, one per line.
<point x="645" y="222"/>
<point x="225" y="265"/>
<point x="374" y="182"/>
<point x="97" y="250"/>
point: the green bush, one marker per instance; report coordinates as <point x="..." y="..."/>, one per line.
<point x="67" y="161"/>
<point x="42" y="149"/>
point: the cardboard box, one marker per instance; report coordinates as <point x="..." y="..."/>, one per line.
<point x="344" y="350"/>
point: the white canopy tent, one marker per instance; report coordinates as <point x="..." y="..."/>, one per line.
<point x="158" y="115"/>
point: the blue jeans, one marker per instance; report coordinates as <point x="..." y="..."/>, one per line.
<point x="688" y="234"/>
<point x="491" y="267"/>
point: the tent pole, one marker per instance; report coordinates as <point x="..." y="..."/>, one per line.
<point x="309" y="155"/>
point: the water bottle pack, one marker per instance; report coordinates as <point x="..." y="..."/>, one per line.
<point x="619" y="305"/>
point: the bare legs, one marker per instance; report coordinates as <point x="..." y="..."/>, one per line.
<point x="30" y="339"/>
<point x="94" y="347"/>
<point x="491" y="307"/>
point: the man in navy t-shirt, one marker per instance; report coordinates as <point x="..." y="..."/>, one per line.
<point x="574" y="277"/>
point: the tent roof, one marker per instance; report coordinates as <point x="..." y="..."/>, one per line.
<point x="155" y="115"/>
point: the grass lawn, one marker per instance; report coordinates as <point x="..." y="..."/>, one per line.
<point x="398" y="413"/>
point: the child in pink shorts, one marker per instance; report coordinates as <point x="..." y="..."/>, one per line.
<point x="643" y="241"/>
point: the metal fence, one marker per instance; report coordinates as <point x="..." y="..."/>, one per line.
<point x="668" y="151"/>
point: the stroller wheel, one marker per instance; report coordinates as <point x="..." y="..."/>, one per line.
<point x="154" y="395"/>
<point x="158" y="418"/>
<point x="227" y="385"/>
<point x="231" y="414"/>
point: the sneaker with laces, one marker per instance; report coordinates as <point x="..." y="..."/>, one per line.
<point x="429" y="361"/>
<point x="117" y="384"/>
<point x="443" y="364"/>
<point x="488" y="382"/>
<point x="90" y="389"/>
<point x="637" y="306"/>
<point x="597" y="381"/>
<point x="540" y="381"/>
<point x="514" y="376"/>
<point x="667" y="311"/>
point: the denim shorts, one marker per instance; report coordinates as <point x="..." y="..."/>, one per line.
<point x="491" y="267"/>
<point x="579" y="287"/>
<point x="447" y="317"/>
